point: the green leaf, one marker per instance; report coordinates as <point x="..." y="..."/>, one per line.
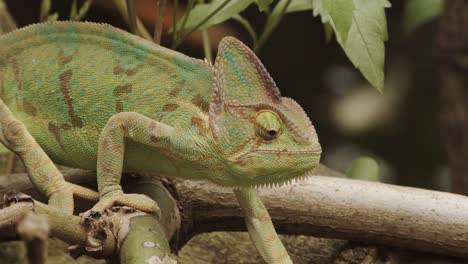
<point x="364" y="168"/>
<point x="328" y="30"/>
<point x="419" y="12"/>
<point x="299" y="5"/>
<point x="341" y="13"/>
<point x="248" y="27"/>
<point x="52" y="17"/>
<point x="73" y="10"/>
<point x="45" y="9"/>
<point x="200" y="11"/>
<point x="263" y="4"/>
<point x="364" y="45"/>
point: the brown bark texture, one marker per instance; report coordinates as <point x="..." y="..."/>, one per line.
<point x="452" y="42"/>
<point x="333" y="207"/>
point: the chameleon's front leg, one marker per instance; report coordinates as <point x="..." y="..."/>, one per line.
<point x="111" y="154"/>
<point x="40" y="168"/>
<point x="261" y="229"/>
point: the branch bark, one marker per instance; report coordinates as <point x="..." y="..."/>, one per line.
<point x="322" y="206"/>
<point x="34" y="230"/>
<point x="452" y="42"/>
<point x="134" y="236"/>
<point x="412" y="218"/>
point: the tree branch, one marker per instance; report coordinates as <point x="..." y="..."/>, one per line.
<point x="34" y="230"/>
<point x="133" y="235"/>
<point x="324" y="206"/>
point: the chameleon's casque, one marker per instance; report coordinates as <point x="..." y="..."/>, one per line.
<point x="95" y="97"/>
<point x="229" y="123"/>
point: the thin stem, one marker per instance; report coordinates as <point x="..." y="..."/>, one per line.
<point x="174" y="22"/>
<point x="187" y="14"/>
<point x="34" y="230"/>
<point x="73" y="10"/>
<point x="84" y="9"/>
<point x="141" y="30"/>
<point x="131" y="16"/>
<point x="246" y="24"/>
<point x="158" y="26"/>
<point x="272" y="22"/>
<point x="195" y="28"/>
<point x="45" y="9"/>
<point x="207" y="45"/>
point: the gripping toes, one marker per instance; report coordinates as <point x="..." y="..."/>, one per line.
<point x="62" y="198"/>
<point x="137" y="201"/>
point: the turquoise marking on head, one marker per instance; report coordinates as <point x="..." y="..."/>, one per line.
<point x="238" y="72"/>
<point x="264" y="138"/>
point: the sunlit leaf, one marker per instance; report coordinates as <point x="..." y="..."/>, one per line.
<point x="364" y="45"/>
<point x="364" y="168"/>
<point x="201" y="11"/>
<point x="299" y="5"/>
<point x="45" y="9"/>
<point x="419" y="12"/>
<point x="341" y="13"/>
<point x="53" y="17"/>
<point x="263" y="4"/>
<point x="328" y="30"/>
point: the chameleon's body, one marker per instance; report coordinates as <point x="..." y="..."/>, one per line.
<point x="92" y="74"/>
<point x="74" y="84"/>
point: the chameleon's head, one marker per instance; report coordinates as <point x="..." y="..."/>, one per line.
<point x="264" y="138"/>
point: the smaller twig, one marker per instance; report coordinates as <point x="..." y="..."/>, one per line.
<point x="195" y="28"/>
<point x="174" y="21"/>
<point x="34" y="230"/>
<point x="272" y="22"/>
<point x="246" y="24"/>
<point x="83" y="10"/>
<point x="187" y="14"/>
<point x="11" y="162"/>
<point x="73" y="10"/>
<point x="158" y="26"/>
<point x="131" y="16"/>
<point x="141" y="30"/>
<point x="10" y="216"/>
<point x="136" y="234"/>
<point x="45" y="9"/>
<point x="7" y="23"/>
<point x="207" y="45"/>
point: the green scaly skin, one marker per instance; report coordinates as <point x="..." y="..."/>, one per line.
<point x="95" y="97"/>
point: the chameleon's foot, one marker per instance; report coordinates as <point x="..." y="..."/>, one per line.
<point x="137" y="201"/>
<point x="63" y="197"/>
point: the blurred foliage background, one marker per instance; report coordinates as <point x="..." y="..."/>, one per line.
<point x="398" y="128"/>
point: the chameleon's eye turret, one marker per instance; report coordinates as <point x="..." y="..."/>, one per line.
<point x="268" y="125"/>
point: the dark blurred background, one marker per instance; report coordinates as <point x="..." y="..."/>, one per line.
<point x="399" y="127"/>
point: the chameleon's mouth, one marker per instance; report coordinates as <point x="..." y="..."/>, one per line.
<point x="266" y="168"/>
<point x="316" y="151"/>
<point x="282" y="182"/>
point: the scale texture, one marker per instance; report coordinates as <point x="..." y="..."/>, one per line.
<point x="96" y="97"/>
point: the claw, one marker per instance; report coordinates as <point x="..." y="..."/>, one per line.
<point x="136" y="201"/>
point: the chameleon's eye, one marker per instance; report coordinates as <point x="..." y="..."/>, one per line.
<point x="268" y="125"/>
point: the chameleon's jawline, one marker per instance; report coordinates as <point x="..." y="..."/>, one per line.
<point x="272" y="184"/>
<point x="316" y="151"/>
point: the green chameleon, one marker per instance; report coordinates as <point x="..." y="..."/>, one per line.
<point x="95" y="97"/>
